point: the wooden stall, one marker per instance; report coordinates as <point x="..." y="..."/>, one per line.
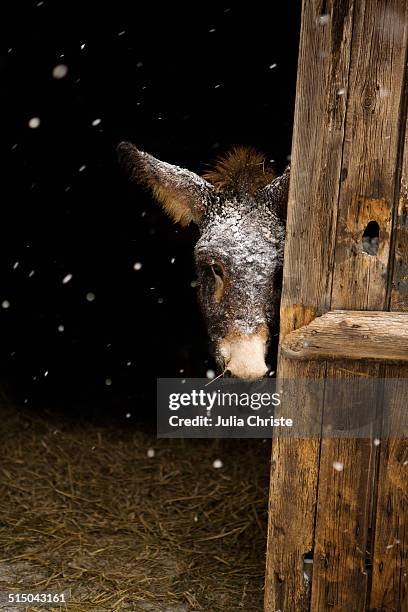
<point x="349" y="179"/>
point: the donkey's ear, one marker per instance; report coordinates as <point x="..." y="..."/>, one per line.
<point x="276" y="193"/>
<point x="182" y="194"/>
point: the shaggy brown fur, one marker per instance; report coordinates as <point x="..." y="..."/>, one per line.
<point x="177" y="192"/>
<point x="241" y="170"/>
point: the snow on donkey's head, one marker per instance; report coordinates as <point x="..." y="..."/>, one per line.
<point x="237" y="206"/>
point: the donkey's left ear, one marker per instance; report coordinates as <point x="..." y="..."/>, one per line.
<point x="276" y="193"/>
<point x="182" y="194"/>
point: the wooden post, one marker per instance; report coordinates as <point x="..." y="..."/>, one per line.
<point x="348" y="148"/>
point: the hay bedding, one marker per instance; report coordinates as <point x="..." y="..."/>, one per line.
<point x="84" y="510"/>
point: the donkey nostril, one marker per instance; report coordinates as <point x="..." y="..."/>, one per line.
<point x="227" y="374"/>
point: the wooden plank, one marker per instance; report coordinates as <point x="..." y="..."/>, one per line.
<point x="370" y="153"/>
<point x="389" y="588"/>
<point x="323" y="70"/>
<point x="370" y="157"/>
<point x="347" y="334"/>
<point x="340" y="579"/>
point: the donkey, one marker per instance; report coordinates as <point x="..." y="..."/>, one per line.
<point x="239" y="207"/>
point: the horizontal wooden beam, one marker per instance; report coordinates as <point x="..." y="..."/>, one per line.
<point x="351" y="334"/>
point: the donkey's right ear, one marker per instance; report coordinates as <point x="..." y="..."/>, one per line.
<point x="183" y="194"/>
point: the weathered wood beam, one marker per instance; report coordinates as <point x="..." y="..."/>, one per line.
<point x="357" y="335"/>
<point x="350" y="106"/>
<point x="318" y="136"/>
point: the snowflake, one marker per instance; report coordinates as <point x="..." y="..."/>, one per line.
<point x="66" y="279"/>
<point x="60" y="71"/>
<point x="34" y="122"/>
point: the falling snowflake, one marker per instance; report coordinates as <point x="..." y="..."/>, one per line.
<point x="5" y="304"/>
<point x="150" y="453"/>
<point x="15" y="265"/>
<point x="128" y="415"/>
<point x="272" y="66"/>
<point x="60" y="71"/>
<point x="82" y="168"/>
<point x="60" y="328"/>
<point x="323" y="19"/>
<point x="82" y="46"/>
<point x="108" y="382"/>
<point x="341" y="91"/>
<point x="137" y="266"/>
<point x="217" y="464"/>
<point x="34" y="122"/>
<point x="338" y="466"/>
<point x="96" y="122"/>
<point x="66" y="279"/>
<point x="210" y="374"/>
<point x="90" y="296"/>
<point x="172" y="260"/>
<point x="31" y="274"/>
<point x="376" y="442"/>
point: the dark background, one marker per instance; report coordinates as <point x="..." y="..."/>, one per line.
<point x="184" y="83"/>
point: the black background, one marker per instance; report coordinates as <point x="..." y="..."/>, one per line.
<point x="184" y="83"/>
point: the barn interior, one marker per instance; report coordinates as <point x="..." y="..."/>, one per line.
<point x="98" y="300"/>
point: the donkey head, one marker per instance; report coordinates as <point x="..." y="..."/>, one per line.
<point x="239" y="209"/>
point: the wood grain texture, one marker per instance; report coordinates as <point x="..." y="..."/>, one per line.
<point x="340" y="578"/>
<point x="389" y="588"/>
<point x="351" y="334"/>
<point x="323" y="71"/>
<point x="360" y="282"/>
<point x="345" y="155"/>
<point x="370" y="155"/>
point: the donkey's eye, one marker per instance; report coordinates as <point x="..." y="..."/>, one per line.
<point x="218" y="274"/>
<point x="217" y="270"/>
